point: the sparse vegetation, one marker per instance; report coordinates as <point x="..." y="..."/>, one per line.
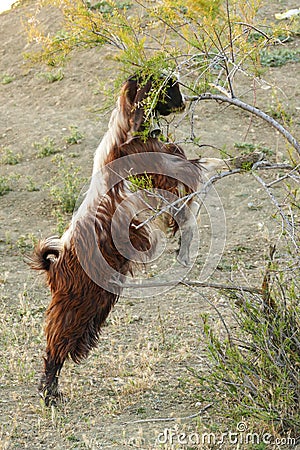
<point x="26" y="242"/>
<point x="4" y="185"/>
<point x="278" y="57"/>
<point x="140" y="182"/>
<point x="245" y="148"/>
<point x="64" y="190"/>
<point x="279" y="112"/>
<point x="106" y="7"/>
<point x="68" y="184"/>
<point x="31" y="185"/>
<point x="75" y="137"/>
<point x="46" y="148"/>
<point x="9" y="157"/>
<point x="6" y="79"/>
<point x="53" y="76"/>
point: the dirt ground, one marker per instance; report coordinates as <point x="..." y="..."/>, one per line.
<point x="141" y="369"/>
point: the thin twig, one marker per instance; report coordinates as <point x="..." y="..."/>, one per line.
<point x="171" y="419"/>
<point x="288" y="175"/>
<point x="230" y="33"/>
<point x="289" y="227"/>
<point x="225" y="62"/>
<point x="262" y="165"/>
<point x="248" y="25"/>
<point x="202" y="284"/>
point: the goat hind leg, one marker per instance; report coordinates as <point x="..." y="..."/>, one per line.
<point x="48" y="386"/>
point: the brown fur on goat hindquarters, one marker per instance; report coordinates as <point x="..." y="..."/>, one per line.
<point x="79" y="306"/>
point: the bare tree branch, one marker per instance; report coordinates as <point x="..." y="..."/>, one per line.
<point x="171" y="419"/>
<point x="253" y="110"/>
<point x="196" y="283"/>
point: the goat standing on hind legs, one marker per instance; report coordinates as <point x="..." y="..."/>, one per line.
<point x="83" y="284"/>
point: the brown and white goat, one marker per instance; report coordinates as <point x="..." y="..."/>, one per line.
<point x="83" y="285"/>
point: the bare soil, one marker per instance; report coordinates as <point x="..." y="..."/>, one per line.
<point x="141" y="369"/>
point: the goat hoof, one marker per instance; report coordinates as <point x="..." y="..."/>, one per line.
<point x="52" y="400"/>
<point x="184" y="261"/>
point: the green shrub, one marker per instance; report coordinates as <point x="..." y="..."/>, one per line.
<point x="31" y="185"/>
<point x="68" y="184"/>
<point x="4" y="185"/>
<point x="26" y="242"/>
<point x="6" y="79"/>
<point x="255" y="374"/>
<point x="75" y="136"/>
<point x="53" y="76"/>
<point x="9" y="157"/>
<point x="140" y="182"/>
<point x="46" y="148"/>
<point x="247" y="147"/>
<point x="278" y="57"/>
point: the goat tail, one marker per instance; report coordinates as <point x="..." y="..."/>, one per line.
<point x="46" y="252"/>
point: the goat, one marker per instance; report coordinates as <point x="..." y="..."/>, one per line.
<point x="82" y="286"/>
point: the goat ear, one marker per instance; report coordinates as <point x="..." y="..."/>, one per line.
<point x="138" y="114"/>
<point x="130" y="89"/>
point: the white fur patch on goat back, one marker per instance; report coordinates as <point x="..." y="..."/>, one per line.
<point x="213" y="165"/>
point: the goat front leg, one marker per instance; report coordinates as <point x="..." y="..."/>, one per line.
<point x="183" y="253"/>
<point x="48" y="387"/>
<point x="187" y="222"/>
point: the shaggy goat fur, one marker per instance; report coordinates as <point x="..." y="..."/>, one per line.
<point x="80" y="304"/>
